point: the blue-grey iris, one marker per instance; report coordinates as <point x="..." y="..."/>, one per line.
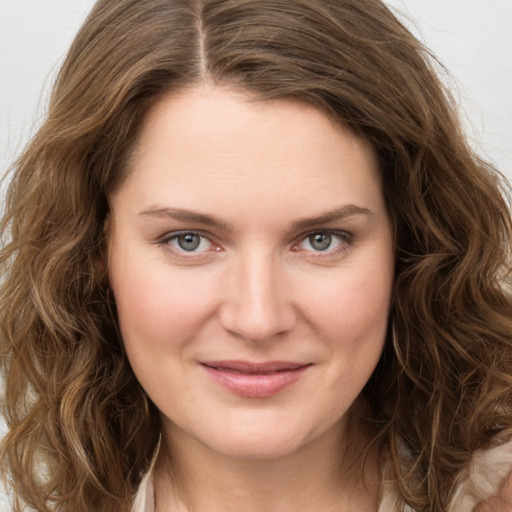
<point x="320" y="241"/>
<point x="189" y="242"/>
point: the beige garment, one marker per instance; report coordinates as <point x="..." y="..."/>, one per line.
<point x="145" y="497"/>
<point x="482" y="479"/>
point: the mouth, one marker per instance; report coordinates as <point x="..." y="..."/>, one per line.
<point x="255" y="380"/>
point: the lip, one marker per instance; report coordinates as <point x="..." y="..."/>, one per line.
<point x="255" y="380"/>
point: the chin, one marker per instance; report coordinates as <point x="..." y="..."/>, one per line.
<point x="263" y="448"/>
<point x="261" y="439"/>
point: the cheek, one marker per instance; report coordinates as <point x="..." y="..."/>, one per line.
<point x="351" y="318"/>
<point x="157" y="305"/>
<point x="352" y="307"/>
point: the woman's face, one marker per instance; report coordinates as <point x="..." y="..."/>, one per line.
<point x="251" y="259"/>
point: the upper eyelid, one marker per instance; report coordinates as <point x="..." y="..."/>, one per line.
<point x="339" y="232"/>
<point x="174" y="234"/>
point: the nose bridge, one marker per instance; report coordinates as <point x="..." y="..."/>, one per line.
<point x="257" y="307"/>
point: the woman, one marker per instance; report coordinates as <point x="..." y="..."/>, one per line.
<point x="252" y="264"/>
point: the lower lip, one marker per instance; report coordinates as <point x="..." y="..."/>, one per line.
<point x="256" y="385"/>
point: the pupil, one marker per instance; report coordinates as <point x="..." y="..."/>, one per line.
<point x="320" y="241"/>
<point x="189" y="242"/>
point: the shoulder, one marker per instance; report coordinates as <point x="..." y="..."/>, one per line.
<point x="489" y="470"/>
<point x="487" y="478"/>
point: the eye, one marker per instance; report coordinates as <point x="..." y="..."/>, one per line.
<point x="188" y="241"/>
<point x="323" y="241"/>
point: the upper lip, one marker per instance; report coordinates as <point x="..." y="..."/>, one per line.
<point x="254" y="368"/>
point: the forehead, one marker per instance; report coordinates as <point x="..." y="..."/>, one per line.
<point x="207" y="142"/>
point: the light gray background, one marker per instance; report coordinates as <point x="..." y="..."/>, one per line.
<point x="473" y="38"/>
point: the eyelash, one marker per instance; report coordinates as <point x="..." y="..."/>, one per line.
<point x="166" y="240"/>
<point x="346" y="241"/>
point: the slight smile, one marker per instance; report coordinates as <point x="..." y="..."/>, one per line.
<point x="255" y="380"/>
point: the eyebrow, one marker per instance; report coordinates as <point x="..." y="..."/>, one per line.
<point x="179" y="214"/>
<point x="344" y="212"/>
<point x="182" y="215"/>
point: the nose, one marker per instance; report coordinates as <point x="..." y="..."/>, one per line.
<point x="257" y="305"/>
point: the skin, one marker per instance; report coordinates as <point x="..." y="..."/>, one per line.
<point x="267" y="176"/>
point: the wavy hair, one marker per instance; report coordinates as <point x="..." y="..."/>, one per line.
<point x="81" y="429"/>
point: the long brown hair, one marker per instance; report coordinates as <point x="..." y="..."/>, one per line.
<point x="81" y="429"/>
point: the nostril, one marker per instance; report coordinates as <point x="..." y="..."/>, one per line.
<point x="257" y="325"/>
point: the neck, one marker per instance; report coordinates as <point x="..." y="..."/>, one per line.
<point x="323" y="475"/>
